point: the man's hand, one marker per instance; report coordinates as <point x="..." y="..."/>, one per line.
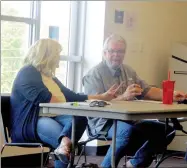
<point x="131" y="92"/>
<point x="179" y="96"/>
<point x="110" y="93"/>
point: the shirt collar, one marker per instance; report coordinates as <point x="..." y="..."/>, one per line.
<point x="114" y="72"/>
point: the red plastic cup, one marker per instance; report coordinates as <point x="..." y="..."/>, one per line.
<point x="168" y="89"/>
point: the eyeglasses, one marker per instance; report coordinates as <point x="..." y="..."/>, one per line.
<point x="98" y="104"/>
<point x="116" y="51"/>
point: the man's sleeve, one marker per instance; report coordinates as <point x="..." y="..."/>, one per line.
<point x="93" y="83"/>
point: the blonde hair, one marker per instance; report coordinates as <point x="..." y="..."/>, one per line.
<point x="43" y="55"/>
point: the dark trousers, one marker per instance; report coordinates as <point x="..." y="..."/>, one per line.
<point x="141" y="140"/>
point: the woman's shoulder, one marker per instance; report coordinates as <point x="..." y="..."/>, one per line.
<point x="28" y="72"/>
<point x="28" y="69"/>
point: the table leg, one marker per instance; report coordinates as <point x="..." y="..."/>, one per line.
<point x="165" y="145"/>
<point x="166" y="127"/>
<point x="163" y="154"/>
<point x="114" y="144"/>
<point x="73" y="143"/>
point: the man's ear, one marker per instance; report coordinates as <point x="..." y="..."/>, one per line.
<point x="104" y="54"/>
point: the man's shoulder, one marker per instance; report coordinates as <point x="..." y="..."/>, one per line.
<point x="128" y="68"/>
<point x="95" y="70"/>
<point x="93" y="74"/>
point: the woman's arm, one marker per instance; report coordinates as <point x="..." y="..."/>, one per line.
<point x="54" y="99"/>
<point x="108" y="95"/>
<point x="100" y="97"/>
<point x="69" y="95"/>
<point x="72" y="96"/>
<point x="89" y="97"/>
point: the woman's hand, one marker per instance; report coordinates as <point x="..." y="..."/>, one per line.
<point x="108" y="95"/>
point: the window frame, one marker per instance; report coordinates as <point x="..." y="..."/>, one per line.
<point x="76" y="37"/>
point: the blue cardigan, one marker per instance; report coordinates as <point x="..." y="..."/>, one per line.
<point x="27" y="92"/>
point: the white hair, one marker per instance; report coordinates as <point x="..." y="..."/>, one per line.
<point x="44" y="56"/>
<point x="115" y="38"/>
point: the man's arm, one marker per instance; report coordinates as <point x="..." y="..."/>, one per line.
<point x="157" y="94"/>
<point x="150" y="93"/>
<point x="154" y="94"/>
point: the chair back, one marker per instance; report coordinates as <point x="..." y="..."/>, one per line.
<point x="5" y="117"/>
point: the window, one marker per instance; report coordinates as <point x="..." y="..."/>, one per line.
<point x="14" y="39"/>
<point x="57" y="22"/>
<point x="59" y="16"/>
<point x="61" y="72"/>
<point x="16" y="8"/>
<point x="24" y="22"/>
<point x="14" y="42"/>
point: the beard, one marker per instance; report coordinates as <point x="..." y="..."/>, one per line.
<point x="112" y="66"/>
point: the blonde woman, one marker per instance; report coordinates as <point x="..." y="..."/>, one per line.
<point x="36" y="83"/>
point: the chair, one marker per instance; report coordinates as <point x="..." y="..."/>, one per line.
<point x="177" y="127"/>
<point x="159" y="158"/>
<point x="100" y="136"/>
<point x="5" y="120"/>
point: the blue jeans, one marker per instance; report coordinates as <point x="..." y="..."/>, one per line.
<point x="51" y="131"/>
<point x="143" y="140"/>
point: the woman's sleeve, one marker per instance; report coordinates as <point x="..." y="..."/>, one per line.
<point x="70" y="95"/>
<point x="29" y="83"/>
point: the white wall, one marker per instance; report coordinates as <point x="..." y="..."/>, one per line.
<point x="156" y="26"/>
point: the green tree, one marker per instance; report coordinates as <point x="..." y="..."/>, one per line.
<point x="12" y="38"/>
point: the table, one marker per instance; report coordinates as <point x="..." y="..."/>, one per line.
<point x="118" y="110"/>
